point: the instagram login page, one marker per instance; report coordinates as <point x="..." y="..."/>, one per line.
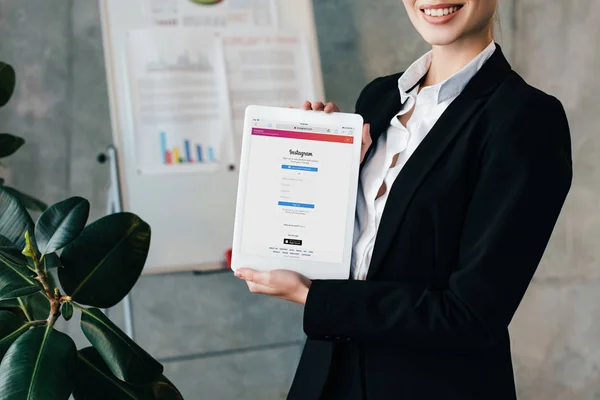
<point x="301" y="183"/>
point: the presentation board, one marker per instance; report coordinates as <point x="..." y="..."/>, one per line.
<point x="180" y="74"/>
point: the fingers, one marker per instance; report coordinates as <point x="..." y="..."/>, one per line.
<point x="252" y="275"/>
<point x="257" y="288"/>
<point x="366" y="135"/>
<point x="331" y="108"/>
<point x="320" y="106"/>
<point x="366" y="141"/>
<point x="258" y="282"/>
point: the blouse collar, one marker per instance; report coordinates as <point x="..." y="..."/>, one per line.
<point x="449" y="88"/>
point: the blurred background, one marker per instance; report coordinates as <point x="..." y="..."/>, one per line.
<point x="215" y="339"/>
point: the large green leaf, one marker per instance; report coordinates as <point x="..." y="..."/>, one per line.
<point x="7" y="83"/>
<point x="15" y="310"/>
<point x="127" y="361"/>
<point x="27" y="201"/>
<point x="106" y="260"/>
<point x="5" y="242"/>
<point x="37" y="305"/>
<point x="95" y="381"/>
<point x="14" y="220"/>
<point x="11" y="327"/>
<point x="60" y="224"/>
<point x="11" y="303"/>
<point x="9" y="144"/>
<point x="39" y="366"/>
<point x="15" y="279"/>
<point x="52" y="261"/>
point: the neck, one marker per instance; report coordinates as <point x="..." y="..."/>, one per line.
<point x="449" y="59"/>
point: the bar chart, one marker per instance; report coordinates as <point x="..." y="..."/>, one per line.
<point x="185" y="152"/>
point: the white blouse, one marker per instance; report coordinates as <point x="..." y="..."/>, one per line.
<point x="429" y="103"/>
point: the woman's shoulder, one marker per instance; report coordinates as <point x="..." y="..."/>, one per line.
<point x="522" y="113"/>
<point x="383" y="83"/>
<point x="515" y="97"/>
<point x="377" y="88"/>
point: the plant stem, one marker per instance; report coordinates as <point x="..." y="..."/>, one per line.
<point x="52" y="320"/>
<point x="65" y="298"/>
<point x="43" y="279"/>
<point x="53" y="298"/>
<point x="37" y="323"/>
<point x="24" y="308"/>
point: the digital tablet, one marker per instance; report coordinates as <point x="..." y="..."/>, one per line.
<point x="297" y="191"/>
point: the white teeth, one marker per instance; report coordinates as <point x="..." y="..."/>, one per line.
<point x="440" y="12"/>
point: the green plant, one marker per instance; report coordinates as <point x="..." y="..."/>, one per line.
<point x="9" y="144"/>
<point x="97" y="266"/>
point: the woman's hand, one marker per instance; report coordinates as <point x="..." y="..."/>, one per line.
<point x="286" y="285"/>
<point x="331" y="108"/>
<point x="319" y="106"/>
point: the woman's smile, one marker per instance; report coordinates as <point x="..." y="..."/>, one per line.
<point x="440" y="13"/>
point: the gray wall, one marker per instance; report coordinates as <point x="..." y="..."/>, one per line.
<point x="557" y="330"/>
<point x="216" y="340"/>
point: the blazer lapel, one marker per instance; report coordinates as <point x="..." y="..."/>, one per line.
<point x="418" y="166"/>
<point x="391" y="105"/>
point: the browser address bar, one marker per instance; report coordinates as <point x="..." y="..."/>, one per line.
<point x="305" y="128"/>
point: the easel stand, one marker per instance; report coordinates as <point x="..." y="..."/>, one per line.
<point x="114" y="204"/>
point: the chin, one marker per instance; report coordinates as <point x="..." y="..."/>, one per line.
<point x="440" y="38"/>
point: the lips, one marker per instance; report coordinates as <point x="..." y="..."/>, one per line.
<point x="440" y="13"/>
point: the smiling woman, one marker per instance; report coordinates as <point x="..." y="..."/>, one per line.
<point x="464" y="173"/>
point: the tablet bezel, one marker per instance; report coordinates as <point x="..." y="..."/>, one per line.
<point x="308" y="268"/>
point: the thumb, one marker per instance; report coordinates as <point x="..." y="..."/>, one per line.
<point x="366" y="141"/>
<point x="260" y="277"/>
<point x="366" y="136"/>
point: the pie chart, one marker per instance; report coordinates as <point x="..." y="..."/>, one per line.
<point x="206" y="2"/>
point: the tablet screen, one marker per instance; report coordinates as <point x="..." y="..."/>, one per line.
<point x="300" y="177"/>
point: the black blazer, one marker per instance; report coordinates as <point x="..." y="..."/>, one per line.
<point x="463" y="231"/>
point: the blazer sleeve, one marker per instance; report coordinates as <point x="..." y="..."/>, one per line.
<point x="525" y="175"/>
